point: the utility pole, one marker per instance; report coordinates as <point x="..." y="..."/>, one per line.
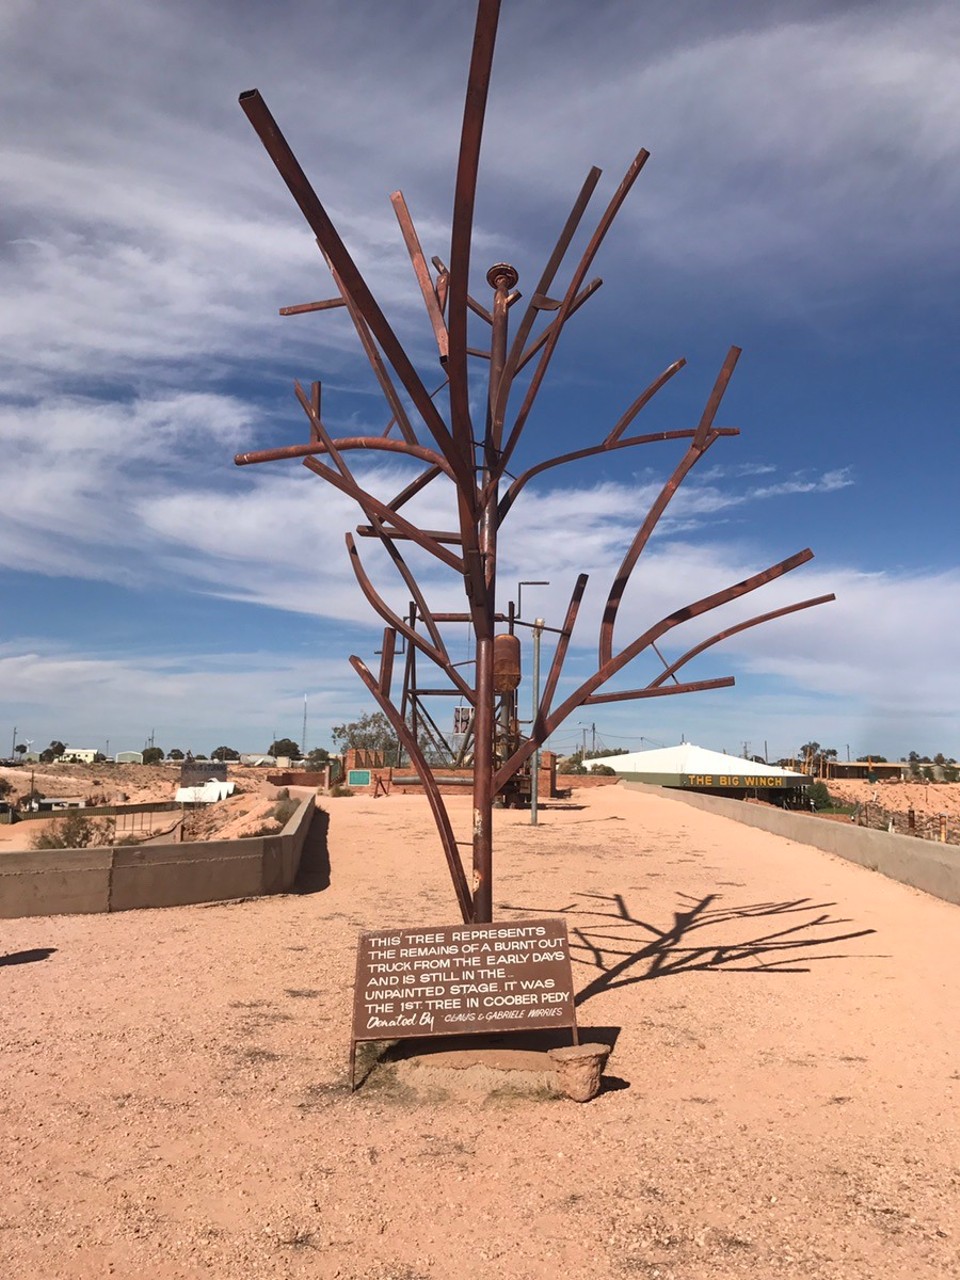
<point x="13" y="744"/>
<point x="303" y="744"/>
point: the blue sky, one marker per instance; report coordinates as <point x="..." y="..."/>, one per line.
<point x="801" y="202"/>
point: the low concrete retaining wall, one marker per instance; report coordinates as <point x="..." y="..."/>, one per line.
<point x="52" y="882"/>
<point x="934" y="868"/>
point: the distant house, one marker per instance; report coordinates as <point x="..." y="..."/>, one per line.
<point x="79" y="755"/>
<point x="128" y="757"/>
<point x="258" y="760"/>
<point x="207" y="793"/>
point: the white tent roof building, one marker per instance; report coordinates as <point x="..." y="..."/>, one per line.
<point x="688" y="765"/>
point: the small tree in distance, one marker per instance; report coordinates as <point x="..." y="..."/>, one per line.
<point x="152" y="755"/>
<point x="285" y="747"/>
<point x="223" y="753"/>
<point x="175" y="754"/>
<point x="372" y="732"/>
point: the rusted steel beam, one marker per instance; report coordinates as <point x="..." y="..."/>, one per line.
<point x="465" y="191"/>
<point x="464" y="617"/>
<point x="387" y="650"/>
<point x="735" y="630"/>
<point x="479" y="309"/>
<point x="431" y="790"/>
<point x="422" y="272"/>
<point x="301" y="308"/>
<point x="438" y="535"/>
<point x="641" y="538"/>
<point x="316" y="394"/>
<point x="629" y="695"/>
<point x="278" y="149"/>
<point x="643" y="400"/>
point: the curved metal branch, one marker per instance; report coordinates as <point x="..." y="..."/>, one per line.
<point x="510" y="497"/>
<point x="603" y="674"/>
<point x="641" y="538"/>
<point x="436" y="653"/>
<point x="644" y="399"/>
<point x="432" y="791"/>
<point x="629" y="695"/>
<point x="732" y="631"/>
<point x="563" y="644"/>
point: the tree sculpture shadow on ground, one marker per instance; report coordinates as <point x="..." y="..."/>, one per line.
<point x="626" y="949"/>
<point x="439" y="435"/>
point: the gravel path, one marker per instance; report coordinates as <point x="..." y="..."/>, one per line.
<point x="782" y="1096"/>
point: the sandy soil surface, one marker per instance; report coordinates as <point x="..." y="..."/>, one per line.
<point x="238" y="815"/>
<point x="924" y="797"/>
<point x="781" y="1099"/>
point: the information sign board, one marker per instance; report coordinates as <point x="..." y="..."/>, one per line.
<point x="462" y="979"/>
<point x="358" y="777"/>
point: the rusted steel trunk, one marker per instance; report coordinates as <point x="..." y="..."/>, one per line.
<point x="501" y="278"/>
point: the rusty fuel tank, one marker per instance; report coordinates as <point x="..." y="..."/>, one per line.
<point x="506" y="663"/>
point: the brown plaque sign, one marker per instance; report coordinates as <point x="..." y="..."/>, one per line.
<point x="462" y="980"/>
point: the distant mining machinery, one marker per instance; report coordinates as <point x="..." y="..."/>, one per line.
<point x="435" y="430"/>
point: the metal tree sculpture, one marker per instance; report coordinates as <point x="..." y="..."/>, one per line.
<point x="475" y="465"/>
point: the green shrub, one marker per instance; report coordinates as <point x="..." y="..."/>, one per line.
<point x="340" y="791"/>
<point x="73" y="831"/>
<point x="818" y="793"/>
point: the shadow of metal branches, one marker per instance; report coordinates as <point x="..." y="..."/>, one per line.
<point x="626" y="949"/>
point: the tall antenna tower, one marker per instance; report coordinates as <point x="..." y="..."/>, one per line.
<point x="303" y="739"/>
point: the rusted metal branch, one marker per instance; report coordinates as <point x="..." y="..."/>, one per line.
<point x="302" y="308"/>
<point x="572" y="290"/>
<point x="471" y="135"/>
<point x="642" y="537"/>
<point x="548" y="724"/>
<point x="432" y="791"/>
<point x="278" y="149"/>
<point x="510" y="497"/>
<point x="544" y="337"/>
<point x="656" y="691"/>
<point x="368" y="503"/>
<point x="642" y="400"/>
<point x="732" y="631"/>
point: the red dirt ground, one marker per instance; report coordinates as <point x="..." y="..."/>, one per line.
<point x="782" y="1097"/>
